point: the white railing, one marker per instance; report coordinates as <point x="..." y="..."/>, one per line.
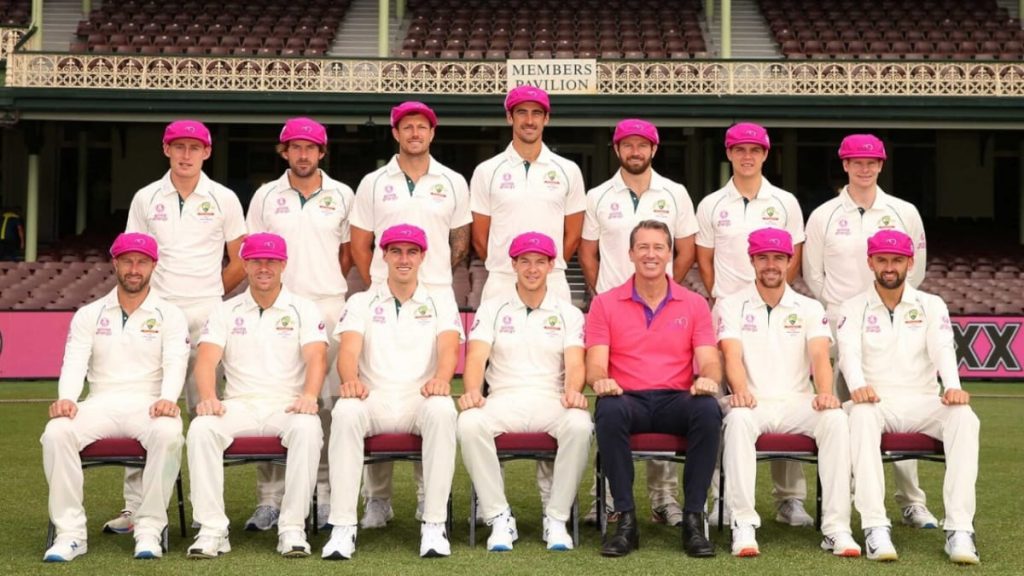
<point x="9" y="38"/>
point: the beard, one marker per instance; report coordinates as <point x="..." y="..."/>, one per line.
<point x="304" y="171"/>
<point x="635" y="170"/>
<point x="891" y="284"/>
<point x="123" y="282"/>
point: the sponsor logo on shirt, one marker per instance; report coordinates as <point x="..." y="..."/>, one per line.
<point x="506" y="182"/>
<point x="551" y="179"/>
<point x="389" y="194"/>
<point x="285" y="326"/>
<point x="438" y="192"/>
<point x="723" y="219"/>
<point x="616" y="211"/>
<point x="553" y="325"/>
<point x="150" y="329"/>
<point x="770" y="214"/>
<point x="749" y="324"/>
<point x="205" y="213"/>
<point x="327" y="205"/>
<point x="282" y="206"/>
<point x="945" y="325"/>
<point x="793" y="324"/>
<point x="914" y="318"/>
<point x="873" y="326"/>
<point x="161" y="214"/>
<point x="885" y="223"/>
<point x="506" y="326"/>
<point x="102" y="330"/>
<point x="238" y="330"/>
<point x="378" y="315"/>
<point x="423" y="314"/>
<point x="661" y="208"/>
<point x="843" y="228"/>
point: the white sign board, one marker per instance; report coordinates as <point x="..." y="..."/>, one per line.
<point x="557" y="76"/>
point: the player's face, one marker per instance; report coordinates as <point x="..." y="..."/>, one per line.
<point x="770" y="268"/>
<point x="532" y="270"/>
<point x="747" y="159"/>
<point x="264" y="274"/>
<point x="414" y="135"/>
<point x="186" y="156"/>
<point x="528" y="121"/>
<point x="890" y="269"/>
<point x="133" y="271"/>
<point x="635" y="154"/>
<point x="403" y="260"/>
<point x="650" y="253"/>
<point x="863" y="172"/>
<point x="303" y="157"/>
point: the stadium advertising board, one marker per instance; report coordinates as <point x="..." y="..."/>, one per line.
<point x="561" y="76"/>
<point x="32" y="343"/>
<point x="990" y="347"/>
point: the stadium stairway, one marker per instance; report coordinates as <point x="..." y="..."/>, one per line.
<point x="357" y="35"/>
<point x="60" y="19"/>
<point x="751" y="37"/>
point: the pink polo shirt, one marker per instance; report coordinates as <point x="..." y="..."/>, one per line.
<point x="655" y="357"/>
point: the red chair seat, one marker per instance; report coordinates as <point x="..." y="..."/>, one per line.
<point x="525" y="442"/>
<point x="786" y="443"/>
<point x="653" y="442"/>
<point x="393" y="443"/>
<point x="114" y="448"/>
<point x="255" y="446"/>
<point x="910" y="442"/>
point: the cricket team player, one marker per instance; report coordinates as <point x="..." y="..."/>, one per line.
<point x="397" y="356"/>
<point x="771" y="337"/>
<point x="132" y="347"/>
<point x="529" y="349"/>
<point x="893" y="340"/>
<point x="273" y="346"/>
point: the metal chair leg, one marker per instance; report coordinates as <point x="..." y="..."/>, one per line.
<point x="576" y="521"/>
<point x="472" y="515"/>
<point x="181" y="507"/>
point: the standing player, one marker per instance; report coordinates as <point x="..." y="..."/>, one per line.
<point x="892" y="342"/>
<point x="526" y="187"/>
<point x="193" y="220"/>
<point x="274" y="349"/>
<point x="770" y="337"/>
<point x="412" y="188"/>
<point x="635" y="193"/>
<point x="532" y="348"/>
<point x="132" y="347"/>
<point x="310" y="210"/>
<point x="399" y="348"/>
<point x="835" y="270"/>
<point x="726" y="217"/>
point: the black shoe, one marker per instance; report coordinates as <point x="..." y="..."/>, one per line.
<point x="694" y="542"/>
<point x="626" y="537"/>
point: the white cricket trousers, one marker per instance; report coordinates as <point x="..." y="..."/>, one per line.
<point x="209" y="436"/>
<point x="111" y="416"/>
<point x="381" y="412"/>
<point x="269" y="476"/>
<point x="196" y="311"/>
<point x="795" y="415"/>
<point x="956" y="426"/>
<point x="525" y="411"/>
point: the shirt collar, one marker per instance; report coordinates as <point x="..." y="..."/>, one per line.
<point x="393" y="169"/>
<point x="550" y="302"/>
<point x="849" y="205"/>
<point x="911" y="296"/>
<point x="420" y="295"/>
<point x="327" y="183"/>
<point x="788" y="299"/>
<point x="284" y="299"/>
<point x="543" y="158"/>
<point x="202" y="187"/>
<point x="766" y="191"/>
<point x="149" y="303"/>
<point x="619" y="185"/>
<point x="628" y="289"/>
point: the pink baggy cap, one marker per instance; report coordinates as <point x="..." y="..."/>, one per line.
<point x="412" y="107"/>
<point x="304" y="129"/>
<point x="532" y="242"/>
<point x="861" y="146"/>
<point x="747" y="133"/>
<point x="134" y="242"/>
<point x="769" y="240"/>
<point x="404" y="233"/>
<point x="520" y="94"/>
<point x="635" y="127"/>
<point x="264" y="245"/>
<point x="890" y="242"/>
<point x="187" y="129"/>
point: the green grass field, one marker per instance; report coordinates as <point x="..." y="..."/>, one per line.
<point x="394" y="550"/>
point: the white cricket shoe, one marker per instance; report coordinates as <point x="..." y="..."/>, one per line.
<point x="433" y="541"/>
<point x="148" y="547"/>
<point x="878" y="542"/>
<point x="376" y="513"/>
<point x="791" y="511"/>
<point x="744" y="541"/>
<point x="841" y="544"/>
<point x="342" y="544"/>
<point x="124" y="523"/>
<point x="556" y="536"/>
<point x="293" y="544"/>
<point x="263" y="518"/>
<point x="960" y="547"/>
<point x="918" y="516"/>
<point x="209" y="547"/>
<point x="503" y="532"/>
<point x="65" y="550"/>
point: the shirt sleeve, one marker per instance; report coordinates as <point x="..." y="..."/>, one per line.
<point x="849" y="331"/>
<point x="941" y="344"/>
<point x="462" y="215"/>
<point x="479" y="191"/>
<point x="448" y="318"/>
<point x="77" y="353"/>
<point x="686" y="219"/>
<point x="705" y="227"/>
<point x="215" y="330"/>
<point x="729" y="327"/>
<point x="348" y="199"/>
<point x="597" y="333"/>
<point x="574" y="328"/>
<point x="254" y="218"/>
<point x="175" y="349"/>
<point x="576" y="199"/>
<point x="137" y="215"/>
<point x="591" y="225"/>
<point x="703" y="331"/>
<point x="794" y="219"/>
<point x="482" y="328"/>
<point x="313" y="328"/>
<point x="362" y="206"/>
<point x="915" y="229"/>
<point x="817" y="322"/>
<point x="353" y="316"/>
<point x="234" y="220"/>
<point x="814" y="254"/>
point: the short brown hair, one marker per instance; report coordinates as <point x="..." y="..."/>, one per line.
<point x="650" y="225"/>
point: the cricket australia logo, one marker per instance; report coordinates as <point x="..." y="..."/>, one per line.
<point x="552" y="324"/>
<point x="285" y="326"/>
<point x="438" y="193"/>
<point x="661" y="207"/>
<point x="793" y="324"/>
<point x="913" y="318"/>
<point x="885" y="223"/>
<point x="327" y="204"/>
<point x="151" y="326"/>
<point x="423" y="313"/>
<point x="205" y="209"/>
<point x="551" y="178"/>
<point x="770" y="214"/>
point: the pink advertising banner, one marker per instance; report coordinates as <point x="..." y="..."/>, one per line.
<point x="989" y="347"/>
<point x="32" y="343"/>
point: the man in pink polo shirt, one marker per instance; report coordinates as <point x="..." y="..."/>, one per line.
<point x="642" y="340"/>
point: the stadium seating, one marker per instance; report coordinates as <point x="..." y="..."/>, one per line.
<point x="495" y="30"/>
<point x="894" y="29"/>
<point x="15" y="12"/>
<point x="266" y="27"/>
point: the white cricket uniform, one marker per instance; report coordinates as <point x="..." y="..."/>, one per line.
<point x="398" y="356"/>
<point x="899" y="354"/>
<point x="522" y="197"/>
<point x="265" y="373"/>
<point x="314" y="230"/>
<point x="726" y="220"/>
<point x="130" y="364"/>
<point x="613" y="210"/>
<point x="777" y="363"/>
<point x="438" y="203"/>
<point x="526" y="376"/>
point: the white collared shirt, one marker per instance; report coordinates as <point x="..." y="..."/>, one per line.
<point x="835" y="257"/>
<point x="192" y="239"/>
<point x="726" y="219"/>
<point x="145" y="355"/>
<point x="610" y="218"/>
<point x="263" y="350"/>
<point x="399" y="351"/>
<point x="897" y="355"/>
<point x="521" y="200"/>
<point x="527" y="347"/>
<point x="775" y="344"/>
<point x="314" y="232"/>
<point x="438" y="204"/>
